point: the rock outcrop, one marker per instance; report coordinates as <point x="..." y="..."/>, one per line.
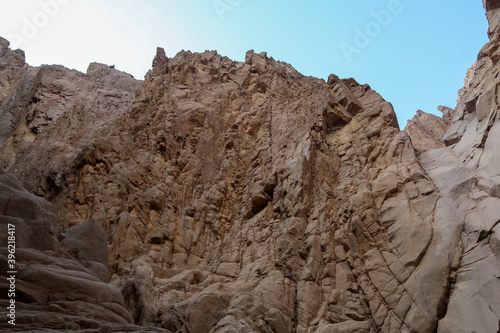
<point x="57" y="286"/>
<point x="467" y="81"/>
<point x="427" y="130"/>
<point x="281" y="202"/>
<point x="49" y="113"/>
<point x="246" y="197"/>
<point x="468" y="174"/>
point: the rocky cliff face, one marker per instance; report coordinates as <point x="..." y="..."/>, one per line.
<point x="427" y="130"/>
<point x="60" y="279"/>
<point x="467" y="172"/>
<point x="246" y="197"/>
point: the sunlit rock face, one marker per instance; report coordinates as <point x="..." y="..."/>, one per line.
<point x="473" y="153"/>
<point x="427" y="130"/>
<point x="246" y="197"/>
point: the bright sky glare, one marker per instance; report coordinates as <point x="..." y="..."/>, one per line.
<point x="415" y="53"/>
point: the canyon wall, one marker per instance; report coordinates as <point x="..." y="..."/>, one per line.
<point x="246" y="197"/>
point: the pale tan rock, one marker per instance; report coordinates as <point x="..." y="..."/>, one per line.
<point x="467" y="81"/>
<point x="427" y="130"/>
<point x="466" y="174"/>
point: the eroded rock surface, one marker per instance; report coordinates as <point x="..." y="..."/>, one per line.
<point x="467" y="173"/>
<point x="53" y="290"/>
<point x="279" y="202"/>
<point x="427" y="130"/>
<point x="246" y="197"/>
<point x="49" y="113"/>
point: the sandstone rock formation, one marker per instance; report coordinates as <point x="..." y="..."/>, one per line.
<point x="467" y="81"/>
<point x="50" y="113"/>
<point x="447" y="113"/>
<point x="246" y="197"/>
<point x="468" y="173"/>
<point x="53" y="290"/>
<point x="427" y="130"/>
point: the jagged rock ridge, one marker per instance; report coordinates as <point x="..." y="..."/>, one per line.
<point x="427" y="130"/>
<point x="247" y="197"/>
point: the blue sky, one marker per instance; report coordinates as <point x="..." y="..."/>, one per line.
<point x="413" y="52"/>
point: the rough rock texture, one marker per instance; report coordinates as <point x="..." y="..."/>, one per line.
<point x="467" y="81"/>
<point x="246" y="197"/>
<point x="53" y="290"/>
<point x="447" y="113"/>
<point x="427" y="130"/>
<point x="48" y="114"/>
<point x="279" y="202"/>
<point x="468" y="174"/>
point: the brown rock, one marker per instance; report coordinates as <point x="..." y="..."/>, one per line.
<point x="242" y="185"/>
<point x="52" y="290"/>
<point x="87" y="242"/>
<point x="247" y="197"/>
<point x="427" y="130"/>
<point x="34" y="217"/>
